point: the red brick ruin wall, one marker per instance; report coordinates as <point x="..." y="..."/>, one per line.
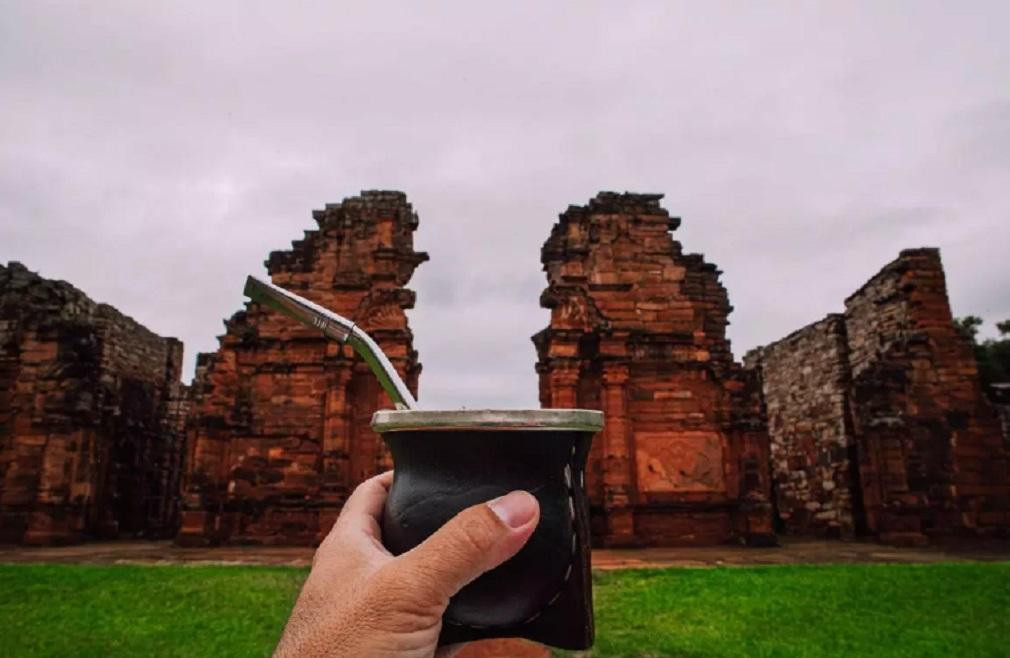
<point x="877" y="419"/>
<point x="91" y="417"/>
<point x="279" y="428"/>
<point x="931" y="450"/>
<point x="638" y="330"/>
<point x="871" y="421"/>
<point x="1000" y="396"/>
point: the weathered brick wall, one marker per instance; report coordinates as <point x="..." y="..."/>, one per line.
<point x="279" y="429"/>
<point x="932" y="459"/>
<point x="894" y="380"/>
<point x="130" y="350"/>
<point x="86" y="444"/>
<point x="805" y="377"/>
<point x="1000" y="396"/>
<point x="638" y="330"/>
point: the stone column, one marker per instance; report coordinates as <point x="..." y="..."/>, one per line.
<point x="617" y="458"/>
<point x="336" y="436"/>
<point x="383" y="458"/>
<point x="336" y="445"/>
<point x="563" y="378"/>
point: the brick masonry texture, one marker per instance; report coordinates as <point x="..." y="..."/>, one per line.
<point x="869" y="422"/>
<point x="91" y="417"/>
<point x="1000" y="396"/>
<point x="638" y="330"/>
<point x="888" y="393"/>
<point x="279" y="427"/>
<point x="805" y="378"/>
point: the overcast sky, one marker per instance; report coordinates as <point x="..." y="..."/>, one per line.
<point x="153" y="154"/>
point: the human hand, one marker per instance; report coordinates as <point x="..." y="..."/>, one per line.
<point x="359" y="600"/>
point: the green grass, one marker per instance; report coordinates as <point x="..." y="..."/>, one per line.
<point x="69" y="610"/>
<point x="851" y="610"/>
<point x="878" y="610"/>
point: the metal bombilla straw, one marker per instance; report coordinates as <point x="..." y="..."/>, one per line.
<point x="338" y="328"/>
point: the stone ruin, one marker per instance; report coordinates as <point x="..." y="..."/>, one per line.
<point x="1000" y="396"/>
<point x="877" y="420"/>
<point x="279" y="429"/>
<point x="91" y="417"/>
<point x="638" y="330"/>
<point x="868" y="422"/>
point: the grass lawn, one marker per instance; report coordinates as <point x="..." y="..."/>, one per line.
<point x="70" y="610"/>
<point x="851" y="610"/>
<point x="893" y="610"/>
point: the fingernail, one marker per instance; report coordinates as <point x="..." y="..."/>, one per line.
<point x="515" y="509"/>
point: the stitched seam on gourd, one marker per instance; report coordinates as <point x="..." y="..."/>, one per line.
<point x="570" y="485"/>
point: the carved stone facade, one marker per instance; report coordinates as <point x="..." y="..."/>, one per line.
<point x="279" y="429"/>
<point x="877" y="418"/>
<point x="91" y="413"/>
<point x="638" y="330"/>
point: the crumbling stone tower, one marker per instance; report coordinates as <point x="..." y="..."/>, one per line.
<point x="638" y="330"/>
<point x="877" y="418"/>
<point x="91" y="412"/>
<point x="279" y="433"/>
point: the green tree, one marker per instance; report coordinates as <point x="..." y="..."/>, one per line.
<point x="968" y="326"/>
<point x="992" y="354"/>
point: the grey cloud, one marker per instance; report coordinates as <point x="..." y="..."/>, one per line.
<point x="155" y="154"/>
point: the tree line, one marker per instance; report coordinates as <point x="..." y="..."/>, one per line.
<point x="993" y="354"/>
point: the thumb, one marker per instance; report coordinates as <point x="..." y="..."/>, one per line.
<point x="476" y="540"/>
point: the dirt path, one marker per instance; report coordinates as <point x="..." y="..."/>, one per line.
<point x="791" y="552"/>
